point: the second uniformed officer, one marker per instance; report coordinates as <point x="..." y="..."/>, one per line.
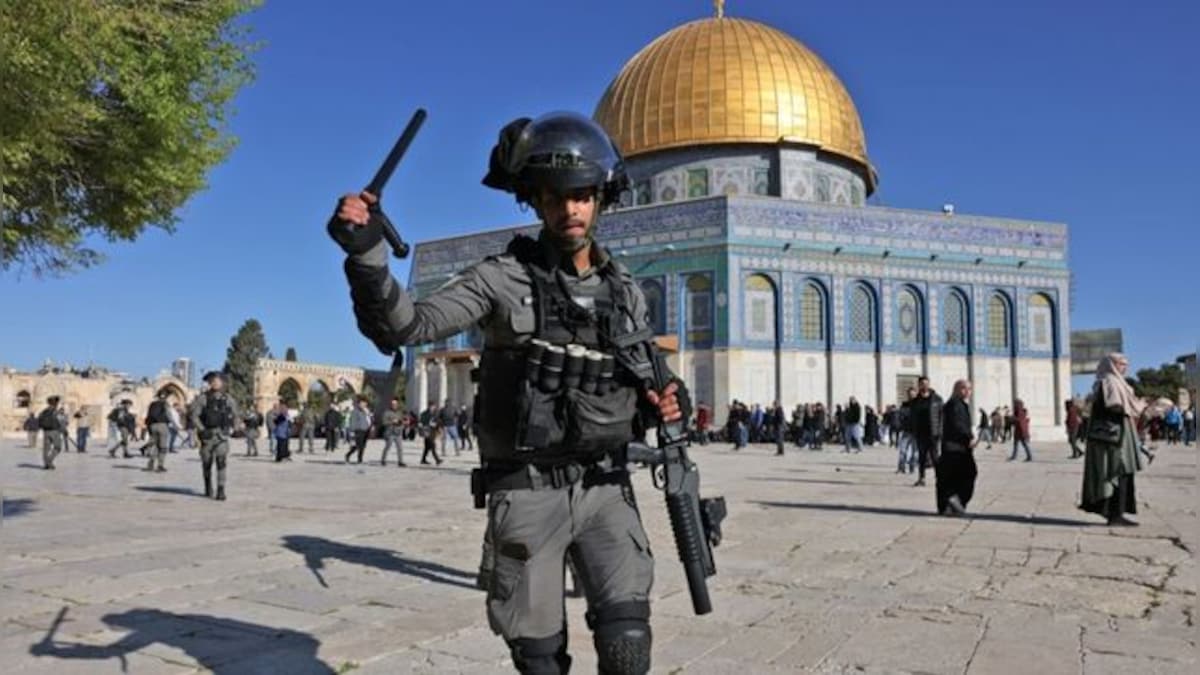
<point x="551" y="418"/>
<point x="214" y="414"/>
<point x="159" y="421"/>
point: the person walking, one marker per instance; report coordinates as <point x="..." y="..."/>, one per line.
<point x="985" y="429"/>
<point x="956" y="471"/>
<point x="281" y="430"/>
<point x="1111" y="457"/>
<point x="31" y="429"/>
<point x="83" y="429"/>
<point x="906" y="445"/>
<point x="50" y="424"/>
<point x="333" y="422"/>
<point x="926" y="412"/>
<point x="448" y="425"/>
<point x="122" y="419"/>
<point x="464" y="428"/>
<point x="1020" y="431"/>
<point x="852" y="425"/>
<point x="159" y="422"/>
<point x="392" y="422"/>
<point x="253" y="423"/>
<point x="214" y="415"/>
<point x="360" y="427"/>
<point x="1074" y="420"/>
<point x="428" y="425"/>
<point x="308" y="429"/>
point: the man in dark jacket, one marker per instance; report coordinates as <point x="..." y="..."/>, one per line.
<point x="926" y="420"/>
<point x="333" y="422"/>
<point x="956" y="469"/>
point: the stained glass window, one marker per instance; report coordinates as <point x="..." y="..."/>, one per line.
<point x="997" y="323"/>
<point x="908" y="318"/>
<point x="862" y="315"/>
<point x="760" y="308"/>
<point x="699" y="293"/>
<point x="954" y="320"/>
<point x="697" y="183"/>
<point x="812" y="313"/>
<point x="656" y="307"/>
<point x="1041" y="319"/>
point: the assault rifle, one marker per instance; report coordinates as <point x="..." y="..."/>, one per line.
<point x="696" y="522"/>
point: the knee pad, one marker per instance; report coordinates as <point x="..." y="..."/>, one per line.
<point x="621" y="634"/>
<point x="541" y="656"/>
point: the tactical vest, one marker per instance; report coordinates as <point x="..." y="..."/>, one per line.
<point x="520" y="416"/>
<point x="216" y="413"/>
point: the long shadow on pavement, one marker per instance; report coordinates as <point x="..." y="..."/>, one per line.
<point x="170" y="490"/>
<point x="317" y="549"/>
<point x="887" y="511"/>
<point x="11" y="508"/>
<point x="225" y="646"/>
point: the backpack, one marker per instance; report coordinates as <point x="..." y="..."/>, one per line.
<point x="157" y="414"/>
<point x="48" y="420"/>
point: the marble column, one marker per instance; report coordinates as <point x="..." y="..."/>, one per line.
<point x="422" y="383"/>
<point x="443" y="381"/>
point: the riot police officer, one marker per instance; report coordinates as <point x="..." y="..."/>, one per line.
<point x="213" y="414"/>
<point x="563" y="387"/>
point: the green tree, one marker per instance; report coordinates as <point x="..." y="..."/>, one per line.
<point x="290" y="355"/>
<point x="112" y="112"/>
<point x="1163" y="381"/>
<point x="246" y="347"/>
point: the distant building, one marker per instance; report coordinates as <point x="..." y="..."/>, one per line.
<point x="183" y="369"/>
<point x="766" y="273"/>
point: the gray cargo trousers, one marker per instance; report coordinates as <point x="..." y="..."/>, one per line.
<point x="160" y="439"/>
<point x="532" y="531"/>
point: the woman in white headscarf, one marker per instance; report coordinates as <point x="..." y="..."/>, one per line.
<point x="1112" y="458"/>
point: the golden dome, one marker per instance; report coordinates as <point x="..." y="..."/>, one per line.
<point x="724" y="80"/>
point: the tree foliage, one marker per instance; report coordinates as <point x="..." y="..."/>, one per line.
<point x="246" y="347"/>
<point x="111" y="114"/>
<point x="1162" y="382"/>
<point x="290" y="355"/>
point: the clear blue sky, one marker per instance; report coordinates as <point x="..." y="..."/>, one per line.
<point x="1075" y="112"/>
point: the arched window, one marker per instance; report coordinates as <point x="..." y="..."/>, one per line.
<point x="24" y="400"/>
<point x="909" y="328"/>
<point x="290" y="392"/>
<point x="1041" y="323"/>
<point x="760" y="308"/>
<point x="954" y="320"/>
<point x="998" y="323"/>
<point x="699" y="299"/>
<point x="656" y="306"/>
<point x="812" y="313"/>
<point x="862" y="314"/>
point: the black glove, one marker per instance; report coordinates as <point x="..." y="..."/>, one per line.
<point x="354" y="239"/>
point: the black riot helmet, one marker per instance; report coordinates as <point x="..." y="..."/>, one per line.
<point x="563" y="151"/>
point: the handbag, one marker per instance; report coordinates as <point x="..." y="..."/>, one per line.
<point x="1105" y="431"/>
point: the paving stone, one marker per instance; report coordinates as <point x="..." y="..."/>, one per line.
<point x="831" y="564"/>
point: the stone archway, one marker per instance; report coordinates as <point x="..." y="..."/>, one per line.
<point x="270" y="375"/>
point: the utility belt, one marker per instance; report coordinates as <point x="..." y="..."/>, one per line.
<point x="505" y="477"/>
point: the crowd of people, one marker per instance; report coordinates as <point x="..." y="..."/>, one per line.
<point x="926" y="431"/>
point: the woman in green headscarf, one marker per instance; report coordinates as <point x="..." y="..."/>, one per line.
<point x="1112" y="458"/>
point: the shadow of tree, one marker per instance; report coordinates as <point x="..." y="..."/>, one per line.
<point x="318" y="549"/>
<point x="11" y="508"/>
<point x="225" y="646"/>
<point x="889" y="511"/>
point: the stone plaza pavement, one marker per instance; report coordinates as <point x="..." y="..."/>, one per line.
<point x="832" y="563"/>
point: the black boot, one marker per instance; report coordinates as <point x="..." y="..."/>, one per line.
<point x="220" y="493"/>
<point x="208" y="486"/>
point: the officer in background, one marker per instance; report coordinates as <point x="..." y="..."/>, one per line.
<point x="549" y="307"/>
<point x="122" y="420"/>
<point x="214" y="414"/>
<point x="159" y="419"/>
<point x="253" y="422"/>
<point x="50" y="421"/>
<point x="392" y="422"/>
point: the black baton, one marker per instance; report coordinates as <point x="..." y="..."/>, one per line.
<point x="375" y="187"/>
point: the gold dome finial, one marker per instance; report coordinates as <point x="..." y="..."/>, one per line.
<point x="719" y="6"/>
